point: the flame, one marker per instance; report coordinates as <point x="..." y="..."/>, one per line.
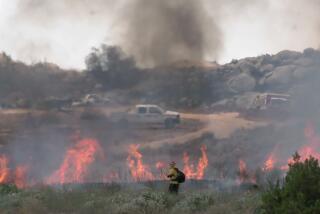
<point x="4" y="170"/>
<point x="243" y="173"/>
<point x="20" y="176"/>
<point x="160" y="165"/>
<point x="203" y="163"/>
<point x="270" y="163"/>
<point x="189" y="169"/>
<point x="139" y="171"/>
<point x="76" y="162"/>
<point x="311" y="149"/>
<point x="313" y="143"/>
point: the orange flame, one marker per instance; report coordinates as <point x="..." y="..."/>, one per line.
<point x="203" y="163"/>
<point x="76" y="162"/>
<point x="139" y="171"/>
<point x="160" y="165"/>
<point x="311" y="149"/>
<point x="243" y="173"/>
<point x="270" y="163"/>
<point x="20" y="176"/>
<point x="189" y="169"/>
<point x="4" y="170"/>
<point x="313" y="143"/>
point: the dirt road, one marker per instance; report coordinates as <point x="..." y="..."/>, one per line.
<point x="222" y="125"/>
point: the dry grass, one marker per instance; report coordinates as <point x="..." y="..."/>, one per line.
<point x="118" y="200"/>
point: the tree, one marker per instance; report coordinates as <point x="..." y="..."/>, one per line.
<point x="299" y="192"/>
<point x="110" y="66"/>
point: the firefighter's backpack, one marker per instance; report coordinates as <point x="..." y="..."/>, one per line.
<point x="181" y="177"/>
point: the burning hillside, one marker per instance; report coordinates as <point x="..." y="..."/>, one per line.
<point x="84" y="161"/>
<point x="75" y="167"/>
<point x="155" y="101"/>
<point x="112" y="152"/>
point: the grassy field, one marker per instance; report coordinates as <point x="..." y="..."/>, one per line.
<point x="124" y="200"/>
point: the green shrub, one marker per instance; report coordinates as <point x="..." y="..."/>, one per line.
<point x="125" y="201"/>
<point x="299" y="192"/>
<point x="193" y="203"/>
<point x="147" y="202"/>
<point x="8" y="188"/>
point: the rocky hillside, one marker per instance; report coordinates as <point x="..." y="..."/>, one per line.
<point x="183" y="84"/>
<point x="236" y="83"/>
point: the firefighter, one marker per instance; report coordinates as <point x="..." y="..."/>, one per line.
<point x="260" y="101"/>
<point x="173" y="175"/>
<point x="257" y="102"/>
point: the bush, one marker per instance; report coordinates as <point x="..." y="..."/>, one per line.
<point x="193" y="203"/>
<point x="8" y="189"/>
<point x="125" y="201"/>
<point x="112" y="68"/>
<point x="299" y="192"/>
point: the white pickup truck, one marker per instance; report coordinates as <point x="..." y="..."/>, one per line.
<point x="147" y="114"/>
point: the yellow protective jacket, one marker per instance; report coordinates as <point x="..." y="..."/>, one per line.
<point x="172" y="175"/>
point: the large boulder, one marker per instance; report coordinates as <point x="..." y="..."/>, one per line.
<point x="238" y="102"/>
<point x="310" y="52"/>
<point x="242" y="83"/>
<point x="247" y="67"/>
<point x="266" y="68"/>
<point x="280" y="75"/>
<point x="304" y="61"/>
<point x="287" y="56"/>
<point x="305" y="72"/>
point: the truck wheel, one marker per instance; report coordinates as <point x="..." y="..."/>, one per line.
<point x="169" y="123"/>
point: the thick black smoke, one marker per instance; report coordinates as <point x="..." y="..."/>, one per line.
<point x="161" y="32"/>
<point x="154" y="31"/>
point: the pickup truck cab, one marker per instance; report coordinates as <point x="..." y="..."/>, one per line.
<point x="271" y="101"/>
<point x="147" y="114"/>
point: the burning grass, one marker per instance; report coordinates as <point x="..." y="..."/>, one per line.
<point x="189" y="169"/>
<point x="76" y="162"/>
<point x="248" y="156"/>
<point x="310" y="148"/>
<point x="233" y="160"/>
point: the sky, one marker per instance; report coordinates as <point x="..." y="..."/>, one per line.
<point x="64" y="31"/>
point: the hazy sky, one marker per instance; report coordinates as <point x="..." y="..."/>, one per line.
<point x="63" y="31"/>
